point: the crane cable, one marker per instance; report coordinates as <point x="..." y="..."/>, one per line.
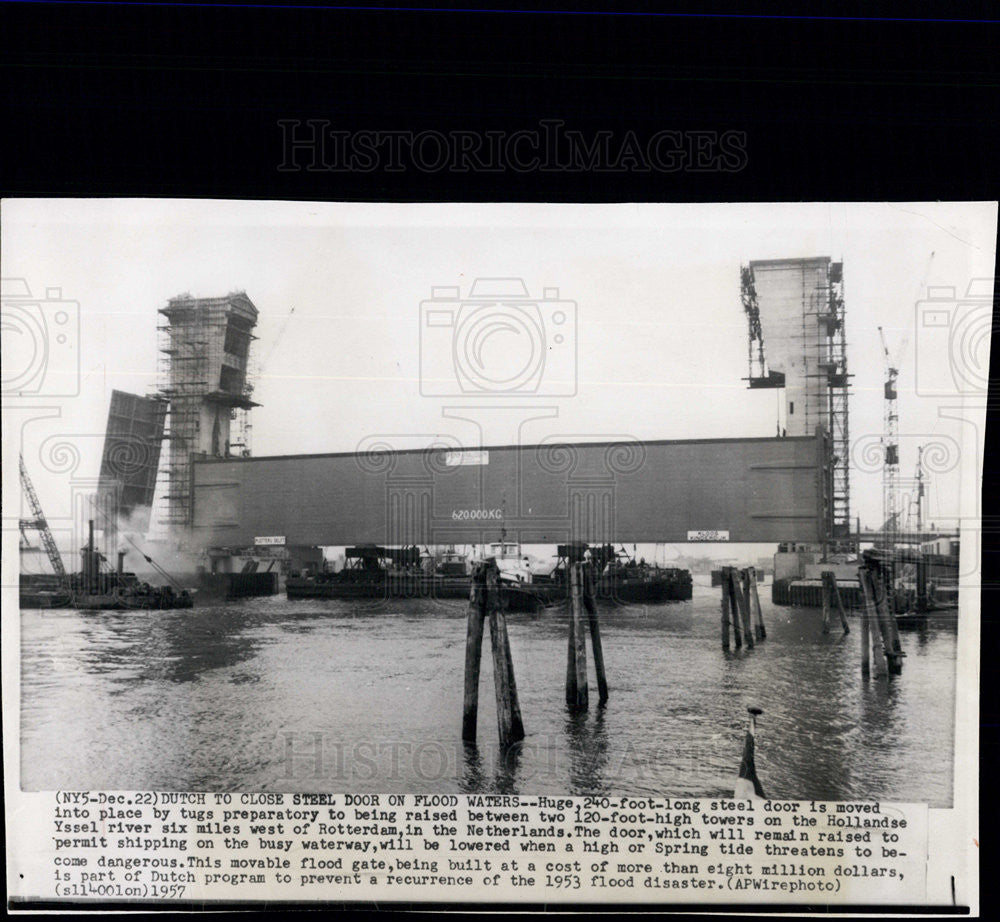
<point x="146" y="557"/>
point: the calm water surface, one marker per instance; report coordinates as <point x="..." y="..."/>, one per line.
<point x="318" y="695"/>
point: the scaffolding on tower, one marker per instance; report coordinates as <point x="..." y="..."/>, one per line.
<point x="799" y="303"/>
<point x="830" y="386"/>
<point x="205" y="387"/>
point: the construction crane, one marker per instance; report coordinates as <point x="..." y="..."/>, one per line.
<point x="920" y="493"/>
<point x="274" y="343"/>
<point x="755" y="343"/>
<point x="39" y="522"/>
<point x="890" y="446"/>
<point x="890" y="430"/>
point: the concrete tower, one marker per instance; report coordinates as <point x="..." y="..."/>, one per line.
<point x="795" y="309"/>
<point x="206" y="347"/>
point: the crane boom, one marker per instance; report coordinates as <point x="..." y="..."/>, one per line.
<point x="891" y="371"/>
<point x="885" y="348"/>
<point x="39" y="522"/>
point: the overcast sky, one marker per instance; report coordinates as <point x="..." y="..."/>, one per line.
<point x="662" y="339"/>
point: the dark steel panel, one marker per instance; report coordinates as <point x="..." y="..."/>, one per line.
<point x="131" y="454"/>
<point x="756" y="489"/>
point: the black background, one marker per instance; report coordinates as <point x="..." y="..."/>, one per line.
<point x="849" y="103"/>
<point x="123" y="99"/>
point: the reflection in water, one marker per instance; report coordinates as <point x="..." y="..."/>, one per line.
<point x="172" y="646"/>
<point x="587" y="743"/>
<point x="317" y="695"/>
<point x="473" y="780"/>
<point x="505" y="776"/>
<point x="508" y="763"/>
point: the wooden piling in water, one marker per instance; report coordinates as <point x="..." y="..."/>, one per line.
<point x="734" y="606"/>
<point x="887" y="623"/>
<point x="486" y="600"/>
<point x="835" y="590"/>
<point x="516" y="723"/>
<point x="577" y="693"/>
<point x="879" y="664"/>
<point x="883" y="637"/>
<point x="510" y="727"/>
<point x="590" y="604"/>
<point x="758" y="614"/>
<point x="825" y="598"/>
<point x="724" y="580"/>
<point x="741" y="594"/>
<point x="473" y="654"/>
<point x="748" y="606"/>
<point x="865" y="642"/>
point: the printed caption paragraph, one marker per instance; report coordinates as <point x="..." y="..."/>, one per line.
<point x="171" y="846"/>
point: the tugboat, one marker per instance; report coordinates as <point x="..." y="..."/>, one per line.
<point x="93" y="588"/>
<point x="97" y="588"/>
<point x="524" y="590"/>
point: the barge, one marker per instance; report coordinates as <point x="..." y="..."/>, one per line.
<point x="373" y="572"/>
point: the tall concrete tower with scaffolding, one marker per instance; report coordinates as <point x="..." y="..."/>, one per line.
<point x="206" y="384"/>
<point x="797" y="306"/>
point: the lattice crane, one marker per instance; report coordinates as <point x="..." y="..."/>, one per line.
<point x="890" y="446"/>
<point x="39" y="522"/>
<point x="890" y="431"/>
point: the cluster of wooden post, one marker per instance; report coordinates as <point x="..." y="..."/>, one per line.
<point x="741" y="607"/>
<point x="831" y="595"/>
<point x="486" y="601"/>
<point x="581" y="599"/>
<point x="881" y="650"/>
